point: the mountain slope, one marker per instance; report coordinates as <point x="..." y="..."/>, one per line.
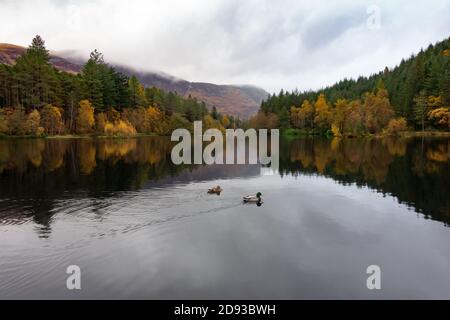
<point x="9" y="53"/>
<point x="242" y="101"/>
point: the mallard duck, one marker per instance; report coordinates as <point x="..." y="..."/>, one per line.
<point x="256" y="199"/>
<point x="216" y="190"/>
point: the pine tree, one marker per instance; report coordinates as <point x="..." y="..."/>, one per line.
<point x="421" y="109"/>
<point x="92" y="78"/>
<point x="38" y="46"/>
<point x="445" y="85"/>
<point x="283" y="118"/>
<point x="110" y="92"/>
<point x="37" y="81"/>
<point x="431" y="82"/>
<point x="414" y="83"/>
<point x="137" y="93"/>
<point x="214" y="113"/>
<point x="122" y="90"/>
<point x="8" y="96"/>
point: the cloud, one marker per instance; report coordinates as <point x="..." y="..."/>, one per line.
<point x="273" y="44"/>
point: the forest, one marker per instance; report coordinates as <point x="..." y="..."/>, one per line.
<point x="415" y="96"/>
<point x="36" y="99"/>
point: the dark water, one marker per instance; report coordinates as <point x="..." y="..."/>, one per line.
<point x="140" y="227"/>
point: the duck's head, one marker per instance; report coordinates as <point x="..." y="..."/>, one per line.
<point x="258" y="195"/>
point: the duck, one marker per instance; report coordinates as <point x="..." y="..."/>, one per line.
<point x="254" y="199"/>
<point x="217" y="190"/>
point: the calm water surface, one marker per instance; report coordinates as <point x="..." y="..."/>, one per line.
<point x="140" y="227"/>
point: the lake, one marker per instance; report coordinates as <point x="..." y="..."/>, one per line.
<point x="140" y="227"/>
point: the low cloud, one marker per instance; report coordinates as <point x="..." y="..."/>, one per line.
<point x="273" y="44"/>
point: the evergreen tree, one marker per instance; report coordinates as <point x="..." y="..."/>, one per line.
<point x="38" y="46"/>
<point x="122" y="90"/>
<point x="214" y="113"/>
<point x="92" y="78"/>
<point x="283" y="118"/>
<point x="137" y="93"/>
<point x="421" y="109"/>
<point x="37" y="82"/>
<point x="445" y="85"/>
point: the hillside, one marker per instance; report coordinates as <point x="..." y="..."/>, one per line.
<point x="415" y="87"/>
<point x="9" y="53"/>
<point x="242" y="101"/>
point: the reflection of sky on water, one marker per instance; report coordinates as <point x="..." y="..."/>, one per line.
<point x="137" y="236"/>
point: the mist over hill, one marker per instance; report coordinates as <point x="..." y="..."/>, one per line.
<point x="237" y="100"/>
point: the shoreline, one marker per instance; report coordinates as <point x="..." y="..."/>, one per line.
<point x="292" y="135"/>
<point x="75" y="136"/>
<point x="297" y="134"/>
<point x="418" y="134"/>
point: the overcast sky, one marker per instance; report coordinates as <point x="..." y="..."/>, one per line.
<point x="272" y="44"/>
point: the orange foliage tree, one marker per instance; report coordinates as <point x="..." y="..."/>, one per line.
<point x="51" y="120"/>
<point x="85" y="118"/>
<point x="323" y="113"/>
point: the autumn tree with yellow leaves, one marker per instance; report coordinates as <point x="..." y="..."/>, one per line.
<point x="377" y="111"/>
<point x="33" y="124"/>
<point x="441" y="117"/>
<point x="85" y="119"/>
<point x="51" y="120"/>
<point x="323" y="114"/>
